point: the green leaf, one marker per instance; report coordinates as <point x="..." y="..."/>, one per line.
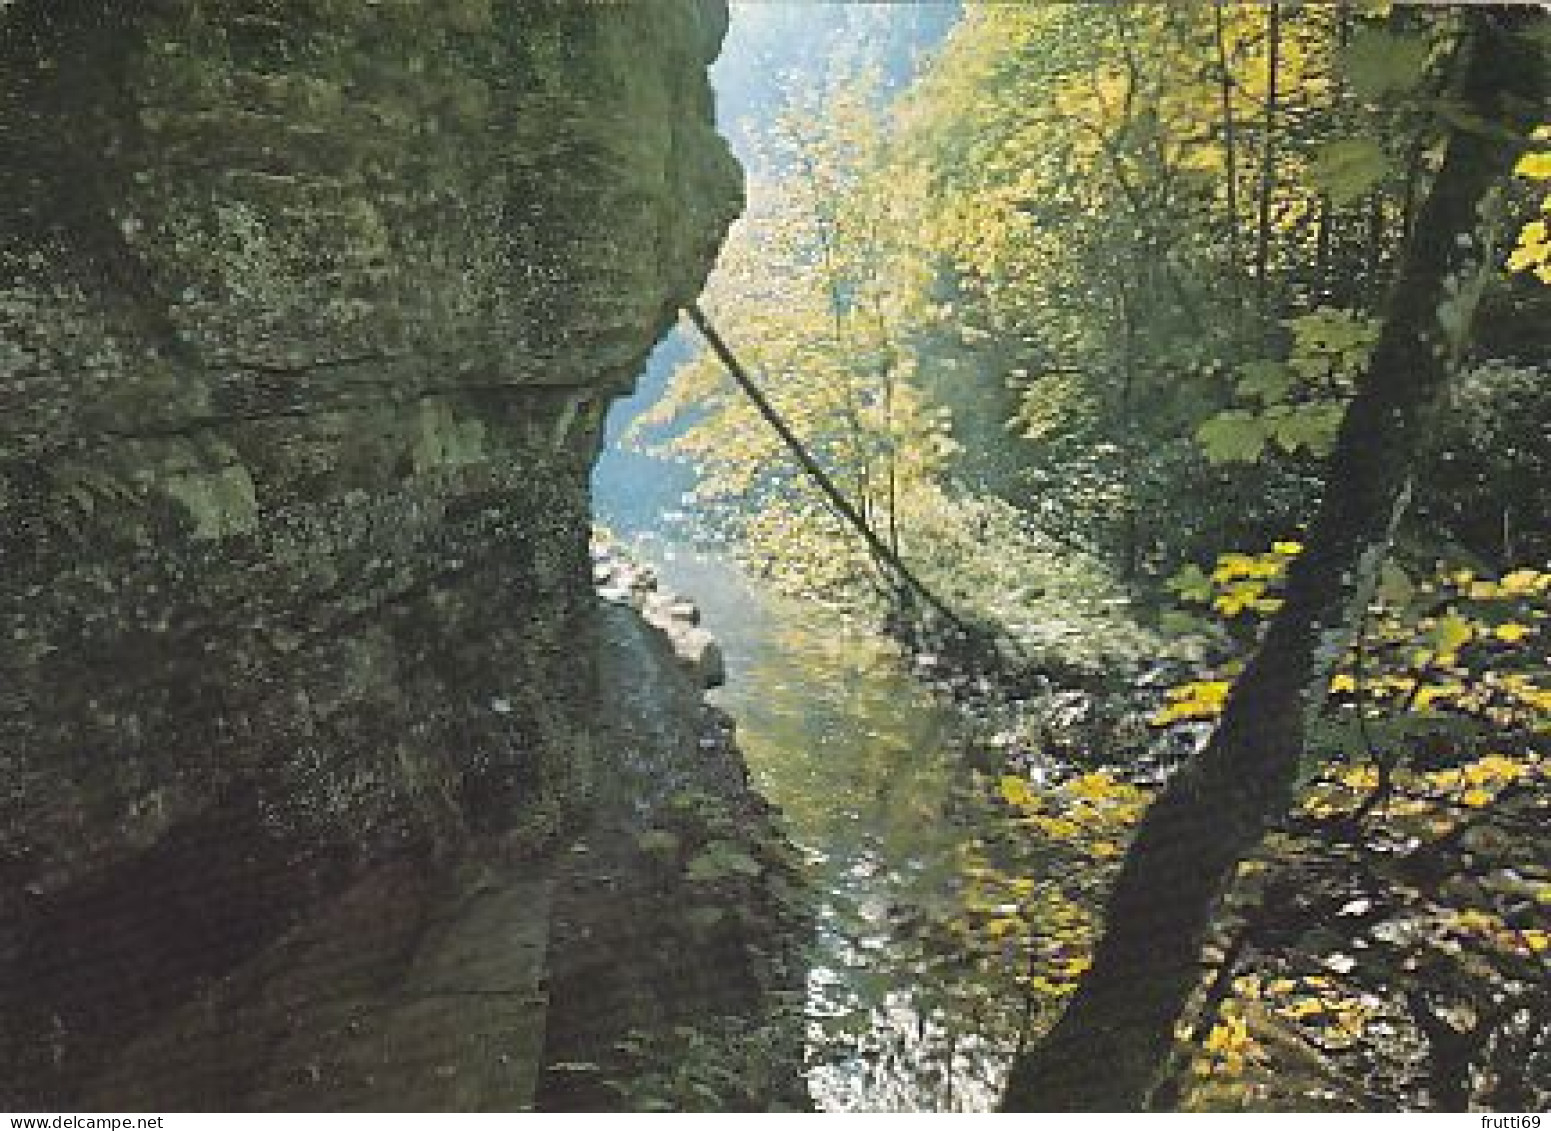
<point x="1449" y="633"/>
<point x="1312" y="427"/>
<point x="1349" y="169"/>
<point x="1379" y="62"/>
<point x="1176" y="624"/>
<point x="1192" y="583"/>
<point x="1267" y="381"/>
<point x="1395" y="587"/>
<point x="1232" y="437"/>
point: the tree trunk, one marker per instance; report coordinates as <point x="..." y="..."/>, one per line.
<point x="1322" y="287"/>
<point x="1268" y="157"/>
<point x="1108" y="1048"/>
<point x="1230" y="149"/>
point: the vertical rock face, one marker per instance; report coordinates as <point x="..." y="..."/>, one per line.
<point x="309" y="313"/>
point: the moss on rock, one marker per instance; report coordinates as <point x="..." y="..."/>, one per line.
<point x="308" y="312"/>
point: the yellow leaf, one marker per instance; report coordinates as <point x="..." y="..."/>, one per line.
<point x="1439" y="693"/>
<point x="1094" y="786"/>
<point x="1478" y="922"/>
<point x="1304" y="1007"/>
<point x="1016" y="792"/>
<point x="1201" y="700"/>
<point x="1361" y="777"/>
<point x="1492" y="768"/>
<point x="1527" y="255"/>
<point x="1058" y="828"/>
<point x="1523" y="582"/>
<point x="1535" y="166"/>
<point x="1451" y="631"/>
<point x="1512" y="633"/>
<point x="1536" y="698"/>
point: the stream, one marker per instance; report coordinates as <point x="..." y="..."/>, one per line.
<point x="862" y="760"/>
<point x="859" y="755"/>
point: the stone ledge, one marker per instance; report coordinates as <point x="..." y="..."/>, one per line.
<point x="622" y="581"/>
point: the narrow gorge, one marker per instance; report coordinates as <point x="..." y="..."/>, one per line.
<point x="773" y="555"/>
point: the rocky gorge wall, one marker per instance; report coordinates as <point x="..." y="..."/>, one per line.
<point x="309" y="314"/>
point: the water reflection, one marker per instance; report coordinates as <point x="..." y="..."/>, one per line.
<point x="860" y="757"/>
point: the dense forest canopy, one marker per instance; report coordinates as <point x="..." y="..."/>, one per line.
<point x="1203" y="345"/>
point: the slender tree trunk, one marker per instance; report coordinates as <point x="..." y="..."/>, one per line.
<point x="1268" y="155"/>
<point x="886" y="369"/>
<point x="1376" y="240"/>
<point x="891" y="457"/>
<point x="1322" y="286"/>
<point x="1130" y="534"/>
<point x="1408" y="201"/>
<point x="1108" y="1048"/>
<point x="827" y="227"/>
<point x="1230" y="147"/>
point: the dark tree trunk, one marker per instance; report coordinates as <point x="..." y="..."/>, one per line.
<point x="1268" y="156"/>
<point x="1230" y="147"/>
<point x="1108" y="1048"/>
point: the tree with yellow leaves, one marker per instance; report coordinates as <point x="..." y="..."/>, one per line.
<point x="1218" y="808"/>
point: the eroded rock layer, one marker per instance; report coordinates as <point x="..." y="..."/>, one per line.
<point x="309" y="313"/>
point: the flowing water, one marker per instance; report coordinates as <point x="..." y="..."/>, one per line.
<point x="863" y="760"/>
<point x="859" y="755"/>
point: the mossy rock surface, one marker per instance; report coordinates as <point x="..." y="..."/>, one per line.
<point x="309" y="314"/>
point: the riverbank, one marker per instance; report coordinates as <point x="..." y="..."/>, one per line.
<point x="509" y="975"/>
<point x="933" y="891"/>
<point x="865" y="762"/>
<point x="679" y="910"/>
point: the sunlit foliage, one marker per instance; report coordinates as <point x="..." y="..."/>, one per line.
<point x="1390" y="941"/>
<point x="1074" y="320"/>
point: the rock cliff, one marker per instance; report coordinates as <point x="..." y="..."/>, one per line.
<point x="309" y="314"/>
